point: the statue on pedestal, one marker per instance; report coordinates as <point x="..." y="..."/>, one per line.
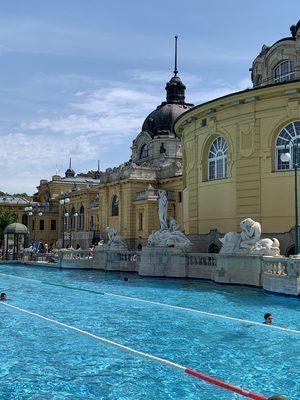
<point x="169" y="234"/>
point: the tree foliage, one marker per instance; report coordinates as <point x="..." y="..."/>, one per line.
<point x="6" y="218"/>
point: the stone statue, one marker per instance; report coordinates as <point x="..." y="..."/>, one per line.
<point x="163" y="209"/>
<point x="115" y="240"/>
<point x="169" y="234"/>
<point x="248" y="241"/>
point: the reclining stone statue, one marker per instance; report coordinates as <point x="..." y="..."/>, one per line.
<point x="114" y="240"/>
<point x="248" y="241"/>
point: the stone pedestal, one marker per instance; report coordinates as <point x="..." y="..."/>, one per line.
<point x="163" y="261"/>
<point x="282" y="284"/>
<point x="100" y="259"/>
<point x="238" y="269"/>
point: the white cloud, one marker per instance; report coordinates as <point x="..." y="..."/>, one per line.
<point x="218" y="89"/>
<point x="117" y="111"/>
<point x="161" y="77"/>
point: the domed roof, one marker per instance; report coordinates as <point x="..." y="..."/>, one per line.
<point x="16" y="227"/>
<point x="161" y="120"/>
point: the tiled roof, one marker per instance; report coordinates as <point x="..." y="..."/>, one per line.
<point x="6" y="199"/>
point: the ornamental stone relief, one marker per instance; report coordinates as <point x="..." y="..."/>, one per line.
<point x="246" y="139"/>
<point x="190" y="153"/>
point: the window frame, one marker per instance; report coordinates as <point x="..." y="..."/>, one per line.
<point x="81" y="218"/>
<point x="115" y="203"/>
<point x="284" y="76"/>
<point x="142" y="150"/>
<point x="289" y="133"/>
<point x="214" y="161"/>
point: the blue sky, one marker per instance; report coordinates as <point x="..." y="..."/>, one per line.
<point x="77" y="78"/>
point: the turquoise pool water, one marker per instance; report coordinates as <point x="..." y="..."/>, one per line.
<point x="40" y="360"/>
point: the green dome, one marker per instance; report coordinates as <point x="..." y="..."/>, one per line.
<point x="16" y="227"/>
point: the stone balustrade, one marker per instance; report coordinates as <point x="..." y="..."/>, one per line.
<point x="197" y="259"/>
<point x="152" y="194"/>
<point x="72" y="254"/>
<point x="281" y="275"/>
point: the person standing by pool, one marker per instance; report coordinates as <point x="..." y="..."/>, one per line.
<point x="268" y="319"/>
<point x="3" y="297"/>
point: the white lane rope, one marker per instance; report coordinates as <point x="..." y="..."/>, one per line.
<point x="102" y="339"/>
<point x="186" y="370"/>
<point x="192" y="310"/>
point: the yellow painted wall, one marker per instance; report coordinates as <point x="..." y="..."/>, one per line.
<point x="250" y="122"/>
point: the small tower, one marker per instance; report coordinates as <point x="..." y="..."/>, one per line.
<point x="97" y="173"/>
<point x="70" y="172"/>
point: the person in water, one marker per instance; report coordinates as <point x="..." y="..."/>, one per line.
<point x="268" y="319"/>
<point x="3" y="296"/>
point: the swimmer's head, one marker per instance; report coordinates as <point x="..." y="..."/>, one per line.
<point x="268" y="318"/>
<point x="3" y="296"/>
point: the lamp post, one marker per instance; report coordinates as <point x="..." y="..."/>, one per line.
<point x="287" y="157"/>
<point x="30" y="211"/>
<point x="63" y="202"/>
<point x="72" y="225"/>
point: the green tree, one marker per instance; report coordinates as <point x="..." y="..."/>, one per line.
<point x="6" y="218"/>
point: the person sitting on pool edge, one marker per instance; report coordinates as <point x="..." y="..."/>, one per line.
<point x="3" y="296"/>
<point x="268" y="319"/>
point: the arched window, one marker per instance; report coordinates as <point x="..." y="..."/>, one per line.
<point x="81" y="218"/>
<point x="217" y="159"/>
<point x="25" y="219"/>
<point x="288" y="134"/>
<point x="285" y="71"/>
<point x="115" y="206"/>
<point x="72" y="219"/>
<point x="144" y="152"/>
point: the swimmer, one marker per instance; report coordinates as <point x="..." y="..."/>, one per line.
<point x="268" y="319"/>
<point x="3" y="296"/>
<point x="126" y="279"/>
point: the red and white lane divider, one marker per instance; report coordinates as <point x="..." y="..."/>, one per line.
<point x="188" y="371"/>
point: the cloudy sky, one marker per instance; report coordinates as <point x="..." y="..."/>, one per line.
<point x="77" y="78"/>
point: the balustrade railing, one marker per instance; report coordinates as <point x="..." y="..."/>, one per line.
<point x="152" y="194"/>
<point x="198" y="259"/>
<point x="281" y="266"/>
<point x="72" y="254"/>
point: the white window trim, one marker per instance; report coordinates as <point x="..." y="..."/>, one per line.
<point x="223" y="157"/>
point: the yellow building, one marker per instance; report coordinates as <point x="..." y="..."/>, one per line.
<point x="232" y="149"/>
<point x="127" y="195"/>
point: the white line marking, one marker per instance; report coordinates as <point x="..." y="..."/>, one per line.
<point x="193" y="310"/>
<point x="205" y="313"/>
<point x="20" y="277"/>
<point x="102" y="339"/>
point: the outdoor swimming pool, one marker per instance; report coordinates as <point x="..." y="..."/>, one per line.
<point x="41" y="360"/>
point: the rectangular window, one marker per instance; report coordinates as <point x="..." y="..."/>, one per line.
<point x="203" y="122"/>
<point x="53" y="225"/>
<point x="140" y="221"/>
<point x="42" y="224"/>
<point x="33" y="224"/>
<point x="179" y="197"/>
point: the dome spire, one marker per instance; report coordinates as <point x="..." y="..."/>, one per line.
<point x="69" y="172"/>
<point x="175" y="68"/>
<point x="97" y="173"/>
<point x="175" y="88"/>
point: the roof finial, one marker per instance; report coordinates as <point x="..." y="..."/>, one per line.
<point x="175" y="69"/>
<point x="70" y="163"/>
<point x="98" y="166"/>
